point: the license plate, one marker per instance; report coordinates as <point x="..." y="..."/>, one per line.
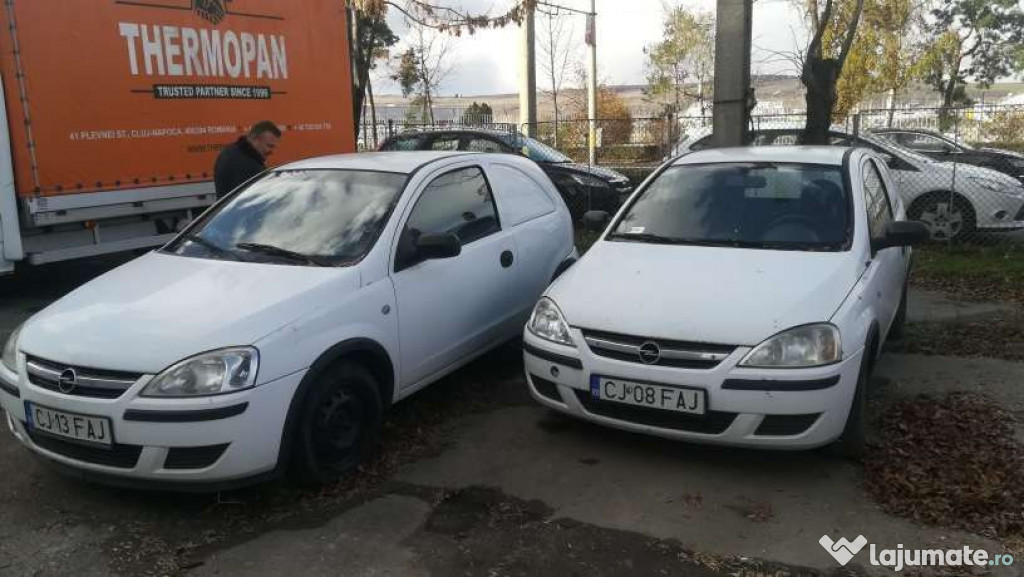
<point x="682" y="400"/>
<point x="81" y="428"/>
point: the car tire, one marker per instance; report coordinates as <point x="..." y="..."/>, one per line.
<point x="339" y="424"/>
<point x="899" y="324"/>
<point x="948" y="219"/>
<point x="852" y="443"/>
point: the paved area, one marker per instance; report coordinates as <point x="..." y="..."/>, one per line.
<point x="511" y="489"/>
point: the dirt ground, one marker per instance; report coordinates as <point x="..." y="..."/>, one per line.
<point x="476" y="479"/>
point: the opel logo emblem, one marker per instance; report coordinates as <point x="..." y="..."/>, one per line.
<point x="67" y="381"/>
<point x="650" y="353"/>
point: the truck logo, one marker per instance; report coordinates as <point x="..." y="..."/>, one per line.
<point x="212" y="10"/>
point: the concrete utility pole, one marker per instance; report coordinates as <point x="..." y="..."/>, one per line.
<point x="592" y="81"/>
<point x="528" y="80"/>
<point x="733" y="31"/>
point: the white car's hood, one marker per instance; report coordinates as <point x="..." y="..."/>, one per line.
<point x="159" y="309"/>
<point x="724" y="296"/>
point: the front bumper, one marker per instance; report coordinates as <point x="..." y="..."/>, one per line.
<point x="559" y="378"/>
<point x="165" y="442"/>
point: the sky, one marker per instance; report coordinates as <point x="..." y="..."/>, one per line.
<point x="488" y="61"/>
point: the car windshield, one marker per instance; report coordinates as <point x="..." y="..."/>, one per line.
<point x="537" y="151"/>
<point x="781" y="206"/>
<point x="310" y="217"/>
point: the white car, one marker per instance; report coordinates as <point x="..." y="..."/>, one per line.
<point x="279" y="327"/>
<point x="953" y="200"/>
<point x="740" y="297"/>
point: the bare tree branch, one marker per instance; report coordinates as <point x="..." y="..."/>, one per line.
<point x="851" y="33"/>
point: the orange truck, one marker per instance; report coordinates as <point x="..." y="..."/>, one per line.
<point x="112" y="112"/>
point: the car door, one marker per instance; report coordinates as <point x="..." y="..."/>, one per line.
<point x="890" y="274"/>
<point x="448" y="309"/>
<point x="529" y="212"/>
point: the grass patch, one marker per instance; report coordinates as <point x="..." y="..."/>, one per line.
<point x="972" y="272"/>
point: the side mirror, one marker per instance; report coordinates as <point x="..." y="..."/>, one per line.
<point x="902" y="233"/>
<point x="596" y="219"/>
<point x="435" y="246"/>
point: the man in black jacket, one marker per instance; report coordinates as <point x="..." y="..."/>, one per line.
<point x="245" y="158"/>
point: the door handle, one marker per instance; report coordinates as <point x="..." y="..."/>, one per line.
<point x="506" y="259"/>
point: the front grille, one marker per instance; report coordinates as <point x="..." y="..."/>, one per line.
<point x="785" y="425"/>
<point x="711" y="422"/>
<point x="94" y="383"/>
<point x="546" y="388"/>
<point x="117" y="456"/>
<point x="680" y="354"/>
<point x="193" y="457"/>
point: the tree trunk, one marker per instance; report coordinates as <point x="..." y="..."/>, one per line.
<point x="819" y="77"/>
<point x="946" y="114"/>
<point x="891" y="106"/>
<point x="373" y="113"/>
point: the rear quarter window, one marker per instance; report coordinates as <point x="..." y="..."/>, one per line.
<point x="520" y="197"/>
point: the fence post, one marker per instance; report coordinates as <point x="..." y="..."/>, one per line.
<point x="391" y="127"/>
<point x="856" y="124"/>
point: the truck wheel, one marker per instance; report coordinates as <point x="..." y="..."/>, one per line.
<point x="339" y="423"/>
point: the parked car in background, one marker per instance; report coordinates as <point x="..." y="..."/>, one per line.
<point x="954" y="201"/>
<point x="276" y="330"/>
<point x="940" y="147"/>
<point x="753" y="289"/>
<point x="583" y="187"/>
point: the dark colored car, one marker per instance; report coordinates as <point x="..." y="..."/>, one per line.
<point x="583" y="187"/>
<point x="943" y="148"/>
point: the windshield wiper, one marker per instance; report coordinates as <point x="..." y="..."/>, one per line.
<point x="211" y="246"/>
<point x="645" y="237"/>
<point x="272" y="250"/>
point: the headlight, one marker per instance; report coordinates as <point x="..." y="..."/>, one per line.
<point x="213" y="373"/>
<point x="547" y="323"/>
<point x="10" y="358"/>
<point x="588" y="180"/>
<point x="806" y="346"/>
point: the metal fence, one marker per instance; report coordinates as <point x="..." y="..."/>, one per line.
<point x="961" y="171"/>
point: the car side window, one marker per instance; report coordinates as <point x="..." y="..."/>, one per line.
<point x="459" y="202"/>
<point x="404" y="143"/>
<point x="876" y="201"/>
<point x="445" y="143"/>
<point x="786" y="140"/>
<point x="701" y="144"/>
<point x="480" y="144"/>
<point x="925" y="143"/>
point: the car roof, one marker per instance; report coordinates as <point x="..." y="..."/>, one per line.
<point x="401" y="162"/>
<point x="897" y="129"/>
<point x="448" y="131"/>
<point x="796" y="154"/>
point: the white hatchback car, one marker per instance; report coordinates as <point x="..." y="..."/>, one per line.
<point x="740" y="297"/>
<point x="278" y="328"/>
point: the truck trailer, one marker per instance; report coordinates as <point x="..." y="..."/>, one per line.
<point x="112" y="112"/>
